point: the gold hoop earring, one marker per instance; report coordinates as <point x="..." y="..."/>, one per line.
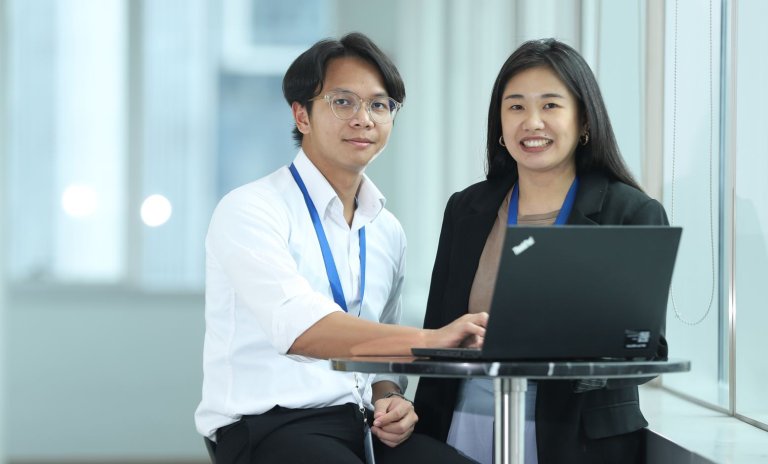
<point x="584" y="139"/>
<point x="501" y="141"/>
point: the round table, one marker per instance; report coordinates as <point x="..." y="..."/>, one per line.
<point x="510" y="383"/>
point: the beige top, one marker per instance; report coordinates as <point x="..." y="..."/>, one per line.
<point x="485" y="277"/>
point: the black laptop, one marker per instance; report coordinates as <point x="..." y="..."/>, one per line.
<point x="577" y="293"/>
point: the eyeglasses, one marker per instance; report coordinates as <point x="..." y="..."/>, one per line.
<point x="345" y="105"/>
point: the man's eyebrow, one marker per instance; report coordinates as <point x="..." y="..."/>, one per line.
<point x="339" y="89"/>
<point x="383" y="93"/>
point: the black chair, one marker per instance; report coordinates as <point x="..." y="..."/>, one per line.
<point x="211" y="447"/>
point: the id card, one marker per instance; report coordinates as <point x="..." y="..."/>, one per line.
<point x="368" y="445"/>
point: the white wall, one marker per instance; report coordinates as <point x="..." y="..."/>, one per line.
<point x="100" y="374"/>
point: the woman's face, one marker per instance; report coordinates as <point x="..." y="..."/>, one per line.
<point x="540" y="122"/>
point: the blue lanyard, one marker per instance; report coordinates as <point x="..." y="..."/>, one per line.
<point x="330" y="264"/>
<point x="562" y="216"/>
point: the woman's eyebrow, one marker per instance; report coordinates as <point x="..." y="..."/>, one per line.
<point x="517" y="96"/>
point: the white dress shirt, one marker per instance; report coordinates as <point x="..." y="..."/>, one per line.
<point x="266" y="284"/>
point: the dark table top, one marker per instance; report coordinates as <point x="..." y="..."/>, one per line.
<point x="529" y="369"/>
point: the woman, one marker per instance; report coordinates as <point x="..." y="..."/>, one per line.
<point x="552" y="159"/>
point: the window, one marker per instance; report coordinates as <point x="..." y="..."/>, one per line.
<point x="750" y="209"/>
<point x="67" y="137"/>
<point x="696" y="326"/>
<point x="715" y="79"/>
<point x="129" y="120"/>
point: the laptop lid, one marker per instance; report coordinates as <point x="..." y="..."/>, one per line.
<point x="581" y="292"/>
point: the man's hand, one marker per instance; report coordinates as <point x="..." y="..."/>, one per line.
<point x="393" y="420"/>
<point x="467" y="331"/>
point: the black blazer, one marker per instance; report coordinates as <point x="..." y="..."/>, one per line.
<point x="566" y="422"/>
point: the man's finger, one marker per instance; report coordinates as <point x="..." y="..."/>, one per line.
<point x="396" y="411"/>
<point x="391" y="439"/>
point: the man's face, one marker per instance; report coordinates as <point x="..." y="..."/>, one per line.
<point x="348" y="145"/>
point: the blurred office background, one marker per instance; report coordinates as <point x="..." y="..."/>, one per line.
<point x="122" y="122"/>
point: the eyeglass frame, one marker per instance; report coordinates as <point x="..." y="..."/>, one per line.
<point x="366" y="103"/>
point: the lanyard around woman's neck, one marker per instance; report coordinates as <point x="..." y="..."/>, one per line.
<point x="562" y="216"/>
<point x="330" y="264"/>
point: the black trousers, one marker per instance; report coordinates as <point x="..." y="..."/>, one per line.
<point x="324" y="435"/>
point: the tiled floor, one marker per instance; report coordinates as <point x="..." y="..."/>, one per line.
<point x="708" y="433"/>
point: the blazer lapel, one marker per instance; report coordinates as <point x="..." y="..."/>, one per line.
<point x="473" y="225"/>
<point x="589" y="200"/>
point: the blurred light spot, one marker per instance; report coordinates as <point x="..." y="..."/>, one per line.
<point x="79" y="200"/>
<point x="156" y="210"/>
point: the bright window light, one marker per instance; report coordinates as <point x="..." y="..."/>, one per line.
<point x="156" y="210"/>
<point x="79" y="200"/>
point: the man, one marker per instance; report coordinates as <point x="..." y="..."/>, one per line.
<point x="306" y="264"/>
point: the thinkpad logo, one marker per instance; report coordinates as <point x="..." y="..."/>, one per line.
<point x="524" y="245"/>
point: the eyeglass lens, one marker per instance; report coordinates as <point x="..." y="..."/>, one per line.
<point x="346" y="104"/>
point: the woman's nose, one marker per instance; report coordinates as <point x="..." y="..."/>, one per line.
<point x="533" y="121"/>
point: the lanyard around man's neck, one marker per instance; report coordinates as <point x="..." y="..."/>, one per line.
<point x="330" y="264"/>
<point x="562" y="216"/>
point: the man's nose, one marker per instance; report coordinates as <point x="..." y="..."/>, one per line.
<point x="363" y="116"/>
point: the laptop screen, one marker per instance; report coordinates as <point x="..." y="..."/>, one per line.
<point x="581" y="292"/>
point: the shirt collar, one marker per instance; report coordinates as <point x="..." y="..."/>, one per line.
<point x="370" y="201"/>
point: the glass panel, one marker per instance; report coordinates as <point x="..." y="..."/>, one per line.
<point x="91" y="138"/>
<point x="31" y="75"/>
<point x="288" y="22"/>
<point x="255" y="126"/>
<point x="176" y="119"/>
<point x="260" y="38"/>
<point x="620" y="70"/>
<point x="691" y="196"/>
<point x="751" y="211"/>
<point x="67" y="148"/>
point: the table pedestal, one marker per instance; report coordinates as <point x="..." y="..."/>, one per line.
<point x="509" y="420"/>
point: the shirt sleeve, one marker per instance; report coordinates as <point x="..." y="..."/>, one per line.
<point x="248" y="240"/>
<point x="392" y="312"/>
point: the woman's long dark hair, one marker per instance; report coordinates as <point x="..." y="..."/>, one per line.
<point x="601" y="153"/>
